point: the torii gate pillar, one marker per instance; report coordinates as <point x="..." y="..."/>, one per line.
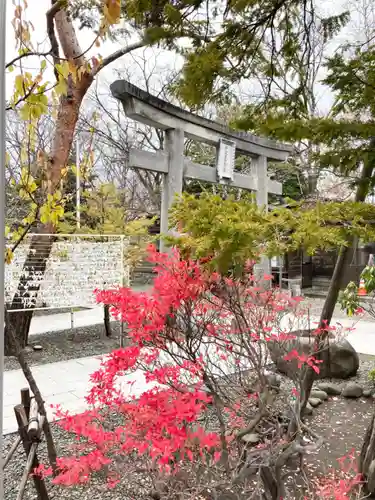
<point x="173" y="180"/>
<point x="179" y="124"/>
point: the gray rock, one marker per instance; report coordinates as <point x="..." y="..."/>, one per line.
<point x="253" y="438"/>
<point x="314" y="402"/>
<point x="340" y="360"/>
<point x="352" y="390"/>
<point x="329" y="388"/>
<point x="308" y="409"/>
<point x="273" y="379"/>
<point x="367" y="393"/>
<point x="319" y="394"/>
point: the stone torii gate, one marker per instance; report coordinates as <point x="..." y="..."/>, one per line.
<point x="178" y="124"/>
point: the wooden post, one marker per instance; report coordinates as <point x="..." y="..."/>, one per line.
<point x="32" y="462"/>
<point x="25" y="400"/>
<point x="107" y="321"/>
<point x="33" y="427"/>
<point x="172" y="182"/>
<point x="35" y="390"/>
<point x="31" y="458"/>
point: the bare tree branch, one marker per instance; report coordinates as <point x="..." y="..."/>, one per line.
<point x="119" y="53"/>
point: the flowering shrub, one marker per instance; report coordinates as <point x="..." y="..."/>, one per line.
<point x="198" y="354"/>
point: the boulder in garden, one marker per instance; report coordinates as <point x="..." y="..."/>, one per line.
<point x="329" y="388"/>
<point x="314" y="402"/>
<point x="352" y="390"/>
<point x="319" y="394"/>
<point x="340" y="360"/>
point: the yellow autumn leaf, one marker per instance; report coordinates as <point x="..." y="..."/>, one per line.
<point x="19" y="84"/>
<point x="62" y="87"/>
<point x="45" y="213"/>
<point x="29" y="219"/>
<point x="112" y="11"/>
<point x="63" y="69"/>
<point x="23" y="194"/>
<point x="73" y="72"/>
<point x="25" y="112"/>
<point x="64" y="172"/>
<point x="8" y="256"/>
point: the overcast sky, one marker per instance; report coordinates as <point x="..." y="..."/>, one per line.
<point x="36" y="14"/>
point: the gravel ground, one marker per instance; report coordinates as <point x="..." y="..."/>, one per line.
<point x="316" y="305"/>
<point x="126" y="490"/>
<point x="91" y="340"/>
<point x="69" y="344"/>
<point x="342" y="423"/>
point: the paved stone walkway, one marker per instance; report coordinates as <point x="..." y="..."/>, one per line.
<point x="67" y="382"/>
<point x="62" y="321"/>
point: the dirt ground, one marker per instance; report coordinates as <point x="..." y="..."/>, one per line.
<point x="342" y="423"/>
<point x="69" y="344"/>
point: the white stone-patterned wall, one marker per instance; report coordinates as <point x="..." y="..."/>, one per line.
<point x="76" y="268"/>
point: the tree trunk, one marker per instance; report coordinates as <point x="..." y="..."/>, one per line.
<point x="325" y="319"/>
<point x="336" y="280"/>
<point x="41" y="245"/>
<point x="335" y="284"/>
<point x="107" y="321"/>
<point x="18" y="322"/>
<point x="366" y="465"/>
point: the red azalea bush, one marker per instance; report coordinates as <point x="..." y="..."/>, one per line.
<point x="206" y="417"/>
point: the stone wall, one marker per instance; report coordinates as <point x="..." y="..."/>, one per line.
<point x="74" y="270"/>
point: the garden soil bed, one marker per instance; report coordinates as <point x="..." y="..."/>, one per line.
<point x="342" y="423"/>
<point x="69" y="344"/>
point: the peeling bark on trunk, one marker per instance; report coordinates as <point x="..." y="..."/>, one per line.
<point x="41" y="245"/>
